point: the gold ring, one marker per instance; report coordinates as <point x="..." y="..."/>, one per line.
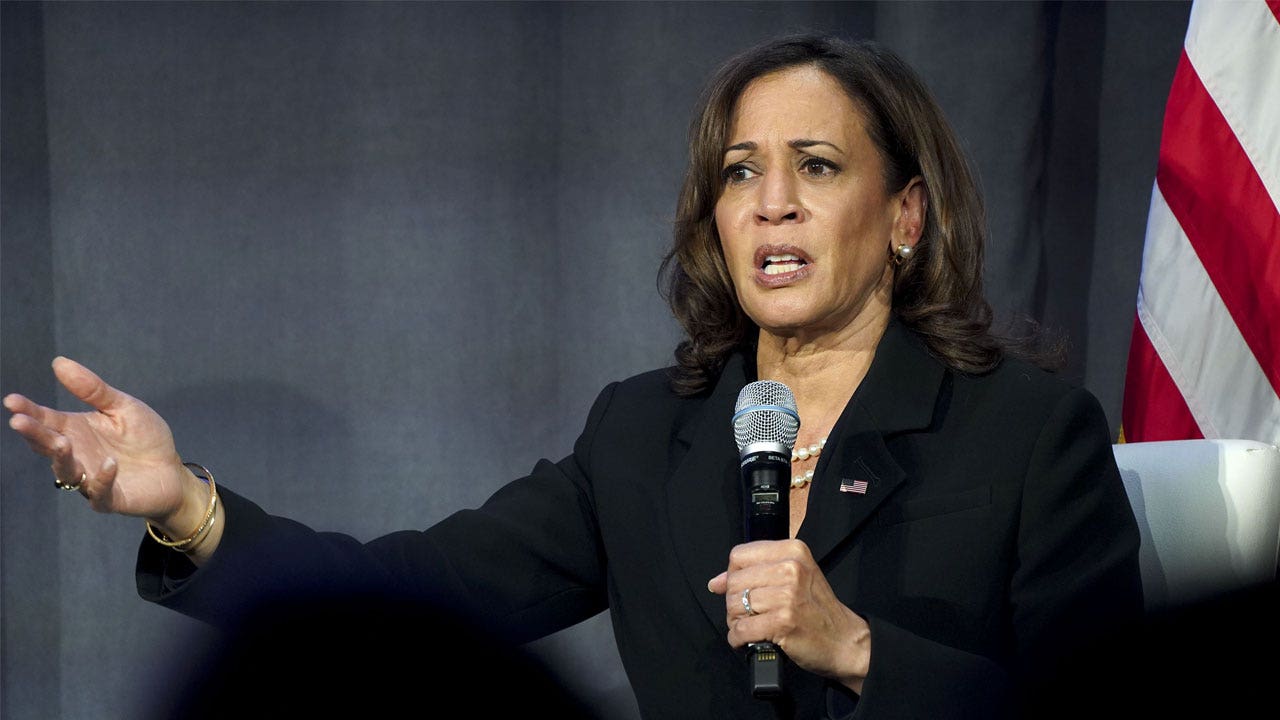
<point x="57" y="482"/>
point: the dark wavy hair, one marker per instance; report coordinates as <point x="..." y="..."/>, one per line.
<point x="937" y="292"/>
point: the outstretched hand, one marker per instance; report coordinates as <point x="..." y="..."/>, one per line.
<point x="120" y="454"/>
<point x="793" y="606"/>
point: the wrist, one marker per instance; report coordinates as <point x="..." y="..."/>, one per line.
<point x="192" y="543"/>
<point x="855" y="658"/>
<point x="192" y="505"/>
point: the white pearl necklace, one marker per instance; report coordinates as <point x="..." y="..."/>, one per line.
<point x="804" y="453"/>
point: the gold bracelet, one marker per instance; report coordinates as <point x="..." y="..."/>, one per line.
<point x="189" y="541"/>
<point x="199" y="540"/>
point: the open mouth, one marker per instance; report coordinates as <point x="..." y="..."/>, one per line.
<point x="782" y="263"/>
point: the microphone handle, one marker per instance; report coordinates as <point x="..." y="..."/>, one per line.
<point x="765" y="662"/>
<point x="766" y="478"/>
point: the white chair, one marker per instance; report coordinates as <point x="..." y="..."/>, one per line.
<point x="1209" y="515"/>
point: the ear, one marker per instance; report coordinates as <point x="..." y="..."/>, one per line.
<point x="912" y="205"/>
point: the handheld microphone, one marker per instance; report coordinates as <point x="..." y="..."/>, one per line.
<point x="765" y="424"/>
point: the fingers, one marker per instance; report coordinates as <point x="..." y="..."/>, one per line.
<point x="771" y="572"/>
<point x="42" y="438"/>
<point x="762" y="597"/>
<point x="84" y="384"/>
<point x="768" y="551"/>
<point x="784" y="562"/>
<point x="762" y="552"/>
<point x="786" y="574"/>
<point x="772" y="616"/>
<point x="50" y="433"/>
<point x="46" y="441"/>
<point x="65" y="466"/>
<point x="98" y="486"/>
<point x="719" y="583"/>
<point x="67" y="469"/>
<point x="20" y="405"/>
<point x="81" y="382"/>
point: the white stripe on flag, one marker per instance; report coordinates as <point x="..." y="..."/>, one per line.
<point x="857" y="487"/>
<point x="1236" y="52"/>
<point x="1196" y="338"/>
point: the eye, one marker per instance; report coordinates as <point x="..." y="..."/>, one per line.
<point x="818" y="167"/>
<point x="736" y="173"/>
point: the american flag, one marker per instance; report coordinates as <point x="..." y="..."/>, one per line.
<point x="857" y="487"/>
<point x="1205" y="356"/>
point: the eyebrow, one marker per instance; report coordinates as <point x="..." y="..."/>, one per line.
<point x="794" y="144"/>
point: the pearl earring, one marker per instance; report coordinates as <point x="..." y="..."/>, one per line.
<point x="902" y="253"/>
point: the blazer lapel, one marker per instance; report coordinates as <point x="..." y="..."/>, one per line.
<point x="856" y="473"/>
<point x="703" y="496"/>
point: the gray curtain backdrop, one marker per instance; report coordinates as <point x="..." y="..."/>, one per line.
<point x="372" y="260"/>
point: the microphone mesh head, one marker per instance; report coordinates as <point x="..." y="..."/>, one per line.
<point x="765" y="413"/>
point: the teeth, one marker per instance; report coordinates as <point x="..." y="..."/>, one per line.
<point x="784" y="263"/>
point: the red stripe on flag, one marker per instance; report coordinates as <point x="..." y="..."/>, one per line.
<point x="1223" y="207"/>
<point x="1275" y="8"/>
<point x="1153" y="406"/>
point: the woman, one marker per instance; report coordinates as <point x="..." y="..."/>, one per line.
<point x="958" y="524"/>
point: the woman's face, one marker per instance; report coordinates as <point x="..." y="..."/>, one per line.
<point x="804" y="219"/>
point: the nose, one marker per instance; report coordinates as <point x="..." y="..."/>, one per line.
<point x="777" y="203"/>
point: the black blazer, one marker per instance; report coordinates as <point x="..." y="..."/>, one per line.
<point x="994" y="538"/>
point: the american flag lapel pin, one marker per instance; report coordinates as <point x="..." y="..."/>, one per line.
<point x="857" y="487"/>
